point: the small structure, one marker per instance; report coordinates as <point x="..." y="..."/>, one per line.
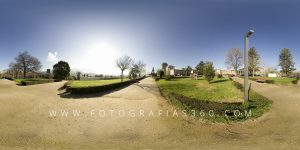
<point x="272" y="75"/>
<point x="194" y="74"/>
<point x="226" y="72"/>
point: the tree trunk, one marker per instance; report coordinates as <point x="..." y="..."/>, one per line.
<point x="24" y="73"/>
<point x="253" y="72"/>
<point x="122" y="75"/>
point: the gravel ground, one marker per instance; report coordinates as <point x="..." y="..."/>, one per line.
<point x="136" y="117"/>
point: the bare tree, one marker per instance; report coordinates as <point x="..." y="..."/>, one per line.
<point x="27" y="63"/>
<point x="15" y="69"/>
<point x="141" y="67"/>
<point x="124" y="63"/>
<point x="234" y="58"/>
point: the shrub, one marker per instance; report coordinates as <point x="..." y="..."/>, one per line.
<point x="295" y="81"/>
<point x="35" y="81"/>
<point x="9" y="78"/>
<point x="253" y="79"/>
<point x="179" y="77"/>
<point x="209" y="71"/>
<point x="160" y="73"/>
<point x="238" y="85"/>
<point x="270" y="81"/>
<point x="168" y="77"/>
<point x="156" y="79"/>
<point x="220" y="76"/>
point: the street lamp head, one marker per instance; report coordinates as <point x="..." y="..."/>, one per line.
<point x="250" y="32"/>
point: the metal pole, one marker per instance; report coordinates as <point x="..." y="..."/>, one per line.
<point x="246" y="86"/>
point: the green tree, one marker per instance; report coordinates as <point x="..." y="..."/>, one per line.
<point x="188" y="70"/>
<point x="164" y="66"/>
<point x="200" y="68"/>
<point x="253" y="58"/>
<point x="153" y="72"/>
<point x="61" y="70"/>
<point x="160" y="73"/>
<point x="209" y="71"/>
<point x="78" y="75"/>
<point x="286" y="61"/>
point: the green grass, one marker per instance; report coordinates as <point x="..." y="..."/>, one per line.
<point x="222" y="96"/>
<point x="219" y="90"/>
<point x="91" y="83"/>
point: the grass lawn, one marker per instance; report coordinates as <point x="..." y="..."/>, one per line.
<point x="222" y="96"/>
<point x="279" y="81"/>
<point x="91" y="83"/>
<point x="220" y="90"/>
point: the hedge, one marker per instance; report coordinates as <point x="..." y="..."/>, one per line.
<point x="270" y="81"/>
<point x="33" y="82"/>
<point x="101" y="88"/>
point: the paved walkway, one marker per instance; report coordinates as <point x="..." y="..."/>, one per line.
<point x="25" y="121"/>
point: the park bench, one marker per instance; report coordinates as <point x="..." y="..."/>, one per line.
<point x="261" y="80"/>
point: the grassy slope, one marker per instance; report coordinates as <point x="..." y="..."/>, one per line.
<point x="90" y="83"/>
<point x="220" y="90"/>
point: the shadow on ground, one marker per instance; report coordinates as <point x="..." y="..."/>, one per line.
<point x="69" y="95"/>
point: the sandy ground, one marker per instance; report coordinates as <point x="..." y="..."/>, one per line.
<point x="26" y="123"/>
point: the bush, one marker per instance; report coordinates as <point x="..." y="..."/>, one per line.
<point x="95" y="89"/>
<point x="168" y="77"/>
<point x="295" y="81"/>
<point x="180" y="77"/>
<point x="209" y="71"/>
<point x="156" y="79"/>
<point x="253" y="79"/>
<point x="220" y="76"/>
<point x="160" y="73"/>
<point x="9" y="78"/>
<point x="35" y="81"/>
<point x="270" y="81"/>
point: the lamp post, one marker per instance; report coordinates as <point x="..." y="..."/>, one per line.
<point x="246" y="86"/>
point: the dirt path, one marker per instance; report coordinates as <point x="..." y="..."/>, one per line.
<point x="25" y="121"/>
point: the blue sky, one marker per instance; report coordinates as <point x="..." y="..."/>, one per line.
<point x="90" y="35"/>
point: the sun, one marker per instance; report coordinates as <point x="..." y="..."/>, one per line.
<point x="99" y="57"/>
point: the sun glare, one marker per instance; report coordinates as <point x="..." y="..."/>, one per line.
<point x="100" y="57"/>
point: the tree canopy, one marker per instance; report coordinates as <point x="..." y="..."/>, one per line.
<point x="286" y="61"/>
<point x="253" y="59"/>
<point x="209" y="71"/>
<point x="200" y="68"/>
<point x="61" y="70"/>
<point x="25" y="63"/>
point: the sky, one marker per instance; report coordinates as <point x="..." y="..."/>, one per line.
<point x="91" y="35"/>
